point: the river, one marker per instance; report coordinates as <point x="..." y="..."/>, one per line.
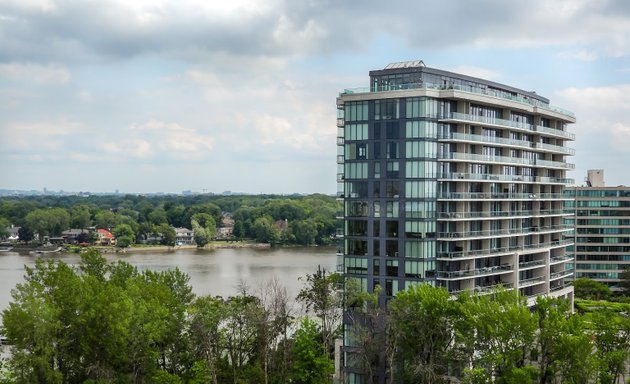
<point x="212" y="272"/>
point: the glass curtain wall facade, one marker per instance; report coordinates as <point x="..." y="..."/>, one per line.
<point x="602" y="232"/>
<point x="452" y="181"/>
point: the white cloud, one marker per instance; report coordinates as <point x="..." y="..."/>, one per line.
<point x="134" y="148"/>
<point x="602" y="129"/>
<point x="35" y="73"/>
<point x="483" y="73"/>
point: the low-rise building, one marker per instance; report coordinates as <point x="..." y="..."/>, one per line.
<point x="602" y="229"/>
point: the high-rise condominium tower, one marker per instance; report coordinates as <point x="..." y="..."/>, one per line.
<point x="453" y="181"/>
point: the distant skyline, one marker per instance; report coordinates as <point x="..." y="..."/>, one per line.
<point x="147" y="96"/>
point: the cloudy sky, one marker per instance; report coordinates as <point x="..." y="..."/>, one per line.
<point x="216" y="95"/>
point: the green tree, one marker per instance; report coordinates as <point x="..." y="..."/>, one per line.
<point x="265" y="230"/>
<point x="322" y="296"/>
<point x="4" y="228"/>
<point x="612" y="345"/>
<point x="25" y="234"/>
<point x="106" y="219"/>
<point x="311" y="361"/>
<point x="158" y="216"/>
<point x="48" y="222"/>
<point x="496" y="333"/>
<point x="80" y="217"/>
<point x="305" y="231"/>
<point x="203" y="227"/>
<point x="207" y="315"/>
<point x="422" y="330"/>
<point x="168" y="234"/>
<point x="590" y="289"/>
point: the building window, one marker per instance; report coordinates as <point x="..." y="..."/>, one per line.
<point x="386" y="109"/>
<point x="356" y="111"/>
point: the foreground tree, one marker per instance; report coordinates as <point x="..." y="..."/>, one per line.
<point x="312" y="363"/>
<point x="423" y="356"/>
<point x="322" y="296"/>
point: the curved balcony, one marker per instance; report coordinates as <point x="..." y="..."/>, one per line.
<point x="555" y="132"/>
<point x="459" y="176"/>
<point x="560" y="259"/>
<point x="531" y="264"/>
<point x="455" y="136"/>
<point x="486" y="121"/>
<point x="529" y="282"/>
<point x="460" y="156"/>
<point x="561" y="274"/>
<point x="502" y="196"/>
<point x="501" y="214"/>
<point x="554" y="148"/>
<point x="464" y="274"/>
<point x="445" y="256"/>
<point x="469" y="235"/>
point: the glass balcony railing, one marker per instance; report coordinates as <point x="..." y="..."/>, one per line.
<point x="504" y="160"/>
<point x="531" y="264"/>
<point x="558" y="287"/>
<point x="555" y="132"/>
<point x="503" y="214"/>
<point x="485" y="139"/>
<point x="488" y="120"/>
<point x="467" y="89"/>
<point x="484" y="289"/>
<point x="501" y="250"/>
<point x="493" y="177"/>
<point x="532" y="281"/>
<point x="560" y="259"/>
<point x="502" y="232"/>
<point x="555" y="148"/>
<point x="474" y="272"/>
<point x="496" y="196"/>
<point x="561" y="274"/>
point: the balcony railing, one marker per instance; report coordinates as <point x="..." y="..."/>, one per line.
<point x="532" y="281"/>
<point x="501" y="250"/>
<point x="485" y="139"/>
<point x="561" y="274"/>
<point x="486" y="214"/>
<point x="488" y="120"/>
<point x="512" y="178"/>
<point x="467" y="89"/>
<point x="555" y="148"/>
<point x="560" y="259"/>
<point x="531" y="264"/>
<point x="474" y="272"/>
<point x="501" y="232"/>
<point x="556" y="132"/>
<point x="509" y="196"/>
<point x="485" y="289"/>
<point x="505" y="160"/>
<point x="559" y="287"/>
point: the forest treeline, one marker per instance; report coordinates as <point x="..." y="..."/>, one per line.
<point x="303" y="220"/>
<point x="101" y="322"/>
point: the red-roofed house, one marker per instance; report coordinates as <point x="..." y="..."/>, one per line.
<point x="105" y="237"/>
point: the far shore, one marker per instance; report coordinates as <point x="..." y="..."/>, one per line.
<point x="150" y="248"/>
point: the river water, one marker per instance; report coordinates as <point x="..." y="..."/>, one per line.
<point x="212" y="272"/>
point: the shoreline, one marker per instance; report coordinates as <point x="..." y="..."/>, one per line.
<point x="158" y="248"/>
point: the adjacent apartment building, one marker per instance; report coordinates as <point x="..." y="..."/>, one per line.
<point x="602" y="229"/>
<point x="453" y="181"/>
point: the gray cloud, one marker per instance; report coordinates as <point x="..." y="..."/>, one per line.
<point x="80" y="30"/>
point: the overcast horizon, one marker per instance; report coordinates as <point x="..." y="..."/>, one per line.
<point x="167" y="96"/>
